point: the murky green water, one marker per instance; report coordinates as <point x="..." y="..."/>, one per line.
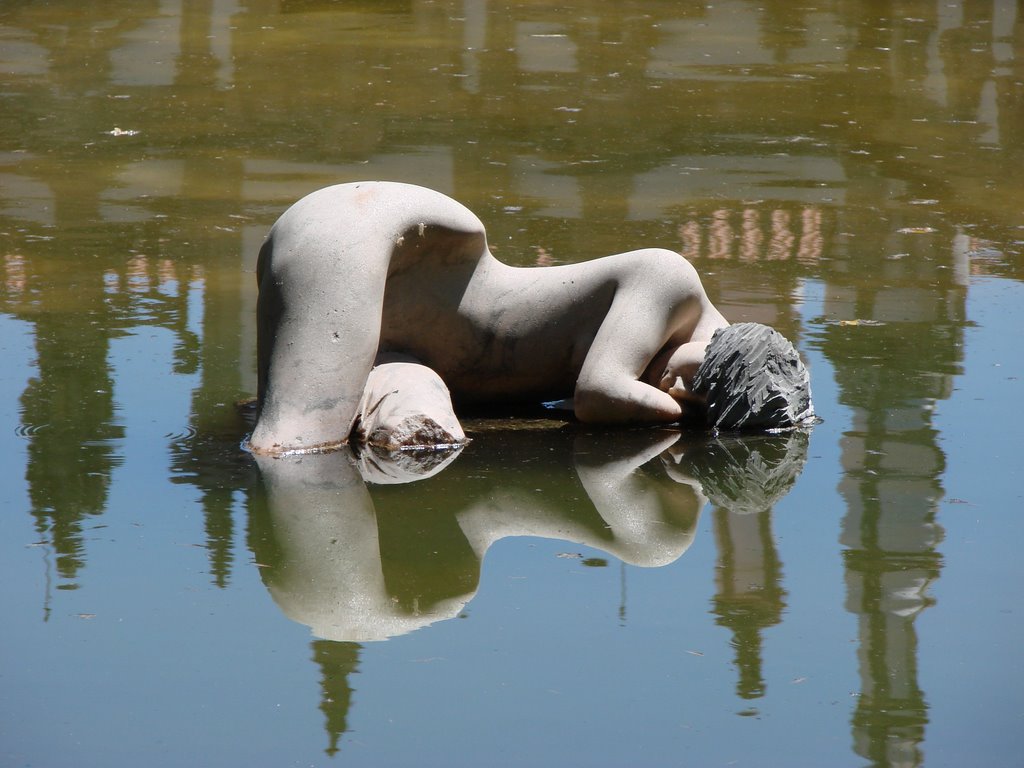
<point x="852" y="173"/>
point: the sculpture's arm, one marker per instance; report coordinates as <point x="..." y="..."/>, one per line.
<point x="673" y="370"/>
<point x="652" y="520"/>
<point x="653" y="306"/>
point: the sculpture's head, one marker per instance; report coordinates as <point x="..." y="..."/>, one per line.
<point x="753" y="379"/>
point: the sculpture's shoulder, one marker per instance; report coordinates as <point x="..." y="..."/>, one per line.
<point x="650" y="271"/>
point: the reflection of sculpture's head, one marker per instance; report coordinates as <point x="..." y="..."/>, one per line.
<point x="753" y="379"/>
<point x="748" y="473"/>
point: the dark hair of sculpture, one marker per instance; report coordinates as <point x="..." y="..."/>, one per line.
<point x="752" y="378"/>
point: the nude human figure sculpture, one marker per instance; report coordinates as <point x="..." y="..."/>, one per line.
<point x="367" y="272"/>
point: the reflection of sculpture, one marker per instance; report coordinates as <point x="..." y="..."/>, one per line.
<point x="360" y="272"/>
<point x="356" y="565"/>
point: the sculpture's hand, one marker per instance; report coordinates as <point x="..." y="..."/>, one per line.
<point x="673" y="369"/>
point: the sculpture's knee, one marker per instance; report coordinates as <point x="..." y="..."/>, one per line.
<point x="406" y="405"/>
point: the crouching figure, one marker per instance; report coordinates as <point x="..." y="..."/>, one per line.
<point x="380" y="304"/>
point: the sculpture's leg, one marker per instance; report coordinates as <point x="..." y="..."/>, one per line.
<point x="407" y="405"/>
<point x="318" y="328"/>
<point x="322" y="274"/>
<point x="406" y="428"/>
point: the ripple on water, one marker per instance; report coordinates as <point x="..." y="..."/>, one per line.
<point x="187" y="433"/>
<point x="27" y="431"/>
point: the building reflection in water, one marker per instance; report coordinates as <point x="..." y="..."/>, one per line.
<point x="896" y="350"/>
<point x="892" y="486"/>
<point x="749" y="597"/>
<point x="745" y="236"/>
<point x="894" y="332"/>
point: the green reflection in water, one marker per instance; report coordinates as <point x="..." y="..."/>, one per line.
<point x="861" y="150"/>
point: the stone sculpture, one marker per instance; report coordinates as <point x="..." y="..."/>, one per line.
<point x="356" y="278"/>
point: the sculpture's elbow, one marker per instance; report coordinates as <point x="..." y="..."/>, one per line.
<point x="633" y="403"/>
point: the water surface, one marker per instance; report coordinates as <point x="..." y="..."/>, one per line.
<point x="847" y="172"/>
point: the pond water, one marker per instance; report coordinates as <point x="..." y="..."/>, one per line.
<point x="849" y="172"/>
